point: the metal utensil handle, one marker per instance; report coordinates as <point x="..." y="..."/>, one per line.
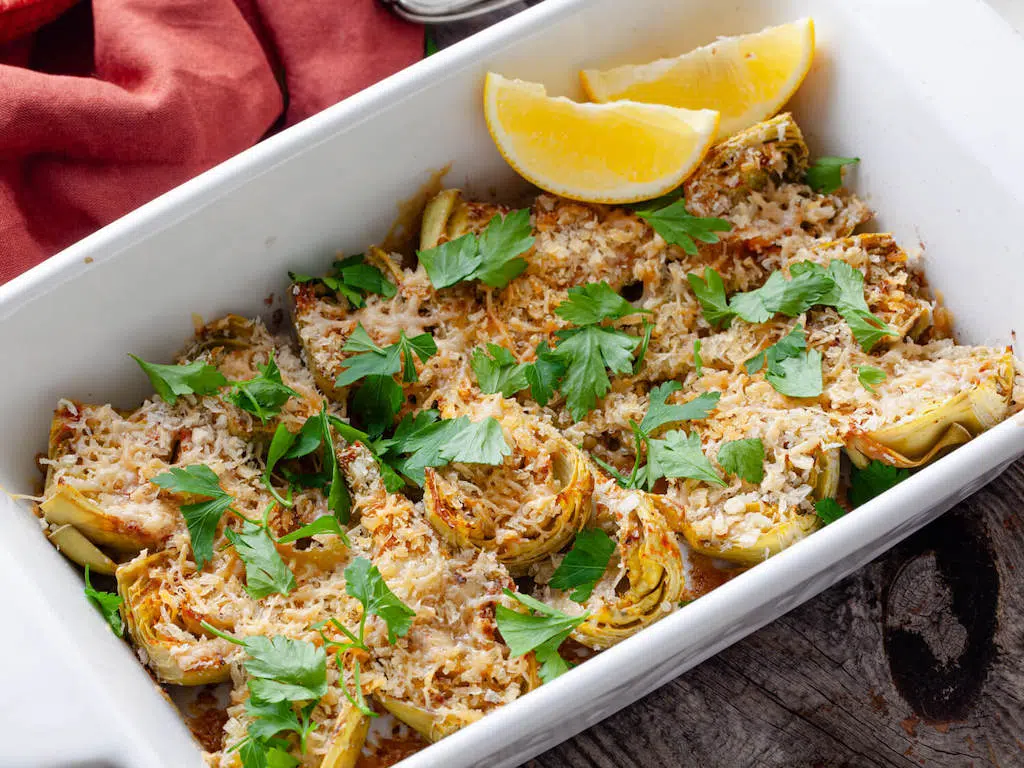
<point x="466" y="9"/>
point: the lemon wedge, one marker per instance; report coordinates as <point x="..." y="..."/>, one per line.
<point x="603" y="153"/>
<point x="747" y="78"/>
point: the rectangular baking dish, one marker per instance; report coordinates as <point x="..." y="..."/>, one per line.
<point x="892" y="83"/>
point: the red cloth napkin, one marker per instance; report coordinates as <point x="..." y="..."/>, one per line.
<point x="108" y="107"/>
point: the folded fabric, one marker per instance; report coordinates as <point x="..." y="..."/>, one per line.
<point x="113" y="104"/>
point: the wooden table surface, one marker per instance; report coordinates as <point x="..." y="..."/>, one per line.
<point x="917" y="660"/>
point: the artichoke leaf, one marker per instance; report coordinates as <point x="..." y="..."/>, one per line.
<point x="70" y="542"/>
<point x="153" y="598"/>
<point x="651" y="566"/>
<point x="825" y="481"/>
<point x="347" y="736"/>
<point x="938" y="427"/>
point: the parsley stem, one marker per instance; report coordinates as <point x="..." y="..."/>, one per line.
<point x="273" y="492"/>
<point x="357" y="701"/>
<point x="234" y="511"/>
<point x="222" y="635"/>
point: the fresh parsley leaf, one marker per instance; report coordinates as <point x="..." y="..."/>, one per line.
<point x="645" y="342"/>
<point x="451" y="262"/>
<point x="324" y="524"/>
<point x="848" y="300"/>
<point x="743" y="458"/>
<point x="790" y="297"/>
<point x="797" y="376"/>
<point x="338" y="499"/>
<point x="869" y="376"/>
<point x="265" y="754"/>
<point x="756" y="363"/>
<point x="552" y="664"/>
<point x="201" y="518"/>
<point x="874" y="479"/>
<point x="591" y="303"/>
<point x="544" y="374"/>
<point x="280" y="668"/>
<point x="307" y="440"/>
<point x="432" y="443"/>
<point x="826" y="173"/>
<point x="793" y="369"/>
<point x="263" y="395"/>
<point x="542" y="626"/>
<point x="710" y="292"/>
<point x="677" y="226"/>
<point x="270" y="719"/>
<point x="586" y="353"/>
<point x="265" y="571"/>
<point x="498" y="371"/>
<point x="280" y="444"/>
<point x="659" y="413"/>
<point x="828" y="510"/>
<point x="171" y="381"/>
<point x="373" y="360"/>
<point x="584" y="564"/>
<point x="477" y="442"/>
<point x="502" y="242"/>
<point x="108" y="603"/>
<point x="364" y="582"/>
<point x="698" y="361"/>
<point x="492" y="258"/>
<point x="377" y="401"/>
<point x="678" y="455"/>
<point x="353" y="279"/>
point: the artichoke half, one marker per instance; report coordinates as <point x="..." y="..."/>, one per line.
<point x="94" y="496"/>
<point x="450" y="669"/>
<point x="347" y="736"/>
<point x="644" y="581"/>
<point x="755" y="179"/>
<point x="523" y="510"/>
<point x="744" y="522"/>
<point x="236" y="346"/>
<point x="924" y="408"/>
<point x="166" y="627"/>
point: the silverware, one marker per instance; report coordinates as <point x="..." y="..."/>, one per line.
<point x="443" y="11"/>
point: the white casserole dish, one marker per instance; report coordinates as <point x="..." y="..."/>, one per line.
<point x="941" y="161"/>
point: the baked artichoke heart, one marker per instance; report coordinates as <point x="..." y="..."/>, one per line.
<point x="66" y="505"/>
<point x="530" y="506"/>
<point x="649" y="575"/>
<point x="894" y="292"/>
<point x="237" y="346"/>
<point x="745" y="522"/>
<point x="162" y="623"/>
<point x="939" y="425"/>
<point x="773" y="150"/>
<point x="347" y="736"/>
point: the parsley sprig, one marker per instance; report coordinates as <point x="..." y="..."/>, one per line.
<point x="839" y="286"/>
<point x="676" y="454"/>
<point x="669" y="218"/>
<point x="364" y="582"/>
<point x="425" y="440"/>
<point x="541" y="629"/>
<point x="283" y="672"/>
<point x="108" y="603"/>
<point x="493" y="257"/>
<point x="263" y="395"/>
<point x="354" y="279"/>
